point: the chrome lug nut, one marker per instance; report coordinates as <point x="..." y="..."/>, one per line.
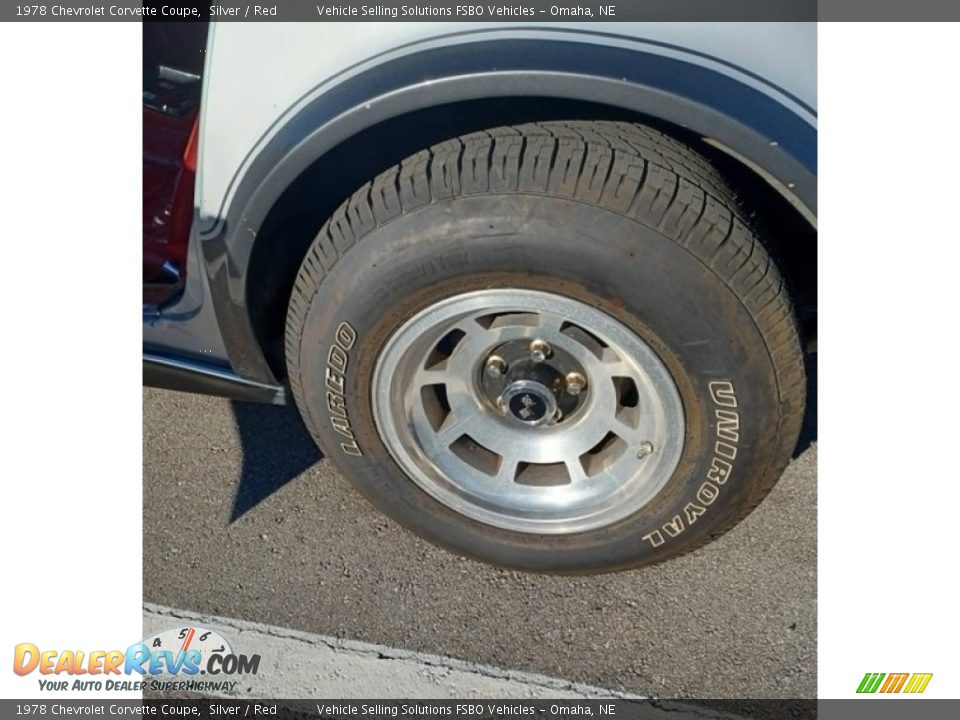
<point x="496" y="366"/>
<point x="575" y="382"/>
<point x="539" y="351"/>
<point x="643" y="449"/>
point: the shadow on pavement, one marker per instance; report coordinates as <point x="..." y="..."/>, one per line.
<point x="276" y="449"/>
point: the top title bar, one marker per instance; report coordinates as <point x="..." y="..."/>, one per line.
<point x="414" y="10"/>
<point x="534" y="11"/>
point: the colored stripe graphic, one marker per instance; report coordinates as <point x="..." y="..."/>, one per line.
<point x="870" y="683"/>
<point x="918" y="683"/>
<point x="895" y="682"/>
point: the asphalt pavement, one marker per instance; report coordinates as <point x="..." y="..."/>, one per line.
<point x="243" y="518"/>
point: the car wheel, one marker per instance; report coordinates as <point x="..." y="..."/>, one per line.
<point x="556" y="347"/>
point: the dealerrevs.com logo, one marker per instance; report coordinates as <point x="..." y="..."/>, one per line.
<point x="185" y="658"/>
<point x="911" y="683"/>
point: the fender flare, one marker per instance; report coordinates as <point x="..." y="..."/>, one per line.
<point x="752" y="119"/>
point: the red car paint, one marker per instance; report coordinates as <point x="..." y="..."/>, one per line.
<point x="169" y="166"/>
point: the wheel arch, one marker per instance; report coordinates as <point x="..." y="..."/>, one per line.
<point x="253" y="249"/>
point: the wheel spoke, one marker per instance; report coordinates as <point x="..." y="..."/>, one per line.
<point x="507" y="472"/>
<point x="645" y="429"/>
<point x="468" y="351"/>
<point x="628" y="434"/>
<point x="614" y="365"/>
<point x="575" y="470"/>
<point x="438" y="375"/>
<point x="551" y="321"/>
<point x="458" y="425"/>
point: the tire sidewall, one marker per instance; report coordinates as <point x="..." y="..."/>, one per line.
<point x="688" y="315"/>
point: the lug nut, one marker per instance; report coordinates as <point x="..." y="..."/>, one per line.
<point x="496" y="366"/>
<point x="575" y="383"/>
<point x="643" y="449"/>
<point x="539" y="351"/>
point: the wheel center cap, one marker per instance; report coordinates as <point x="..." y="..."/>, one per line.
<point x="528" y="402"/>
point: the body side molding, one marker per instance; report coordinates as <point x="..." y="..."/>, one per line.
<point x="185" y="376"/>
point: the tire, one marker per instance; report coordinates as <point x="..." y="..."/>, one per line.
<point x="637" y="241"/>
